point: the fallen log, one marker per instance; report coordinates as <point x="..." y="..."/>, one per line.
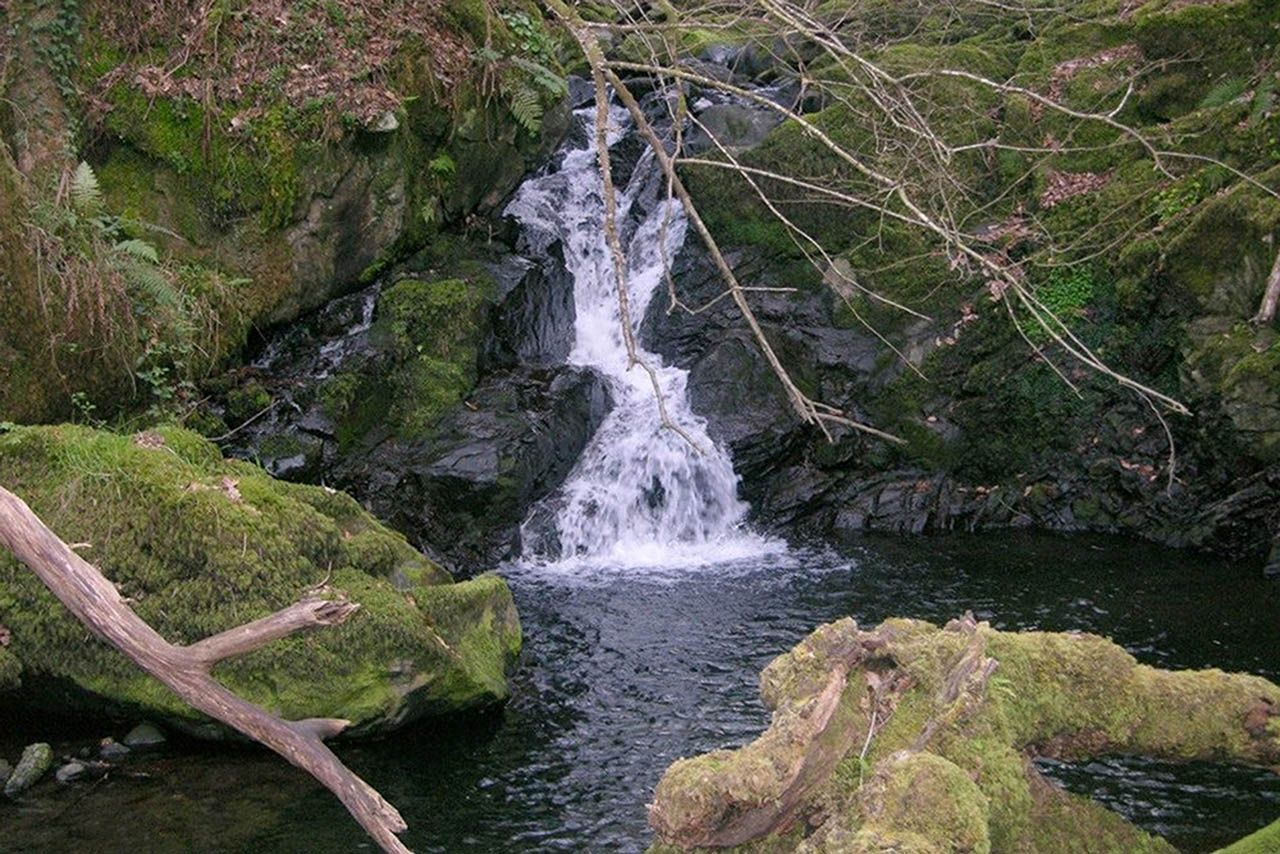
<point x="185" y="670"/>
<point x="931" y="742"/>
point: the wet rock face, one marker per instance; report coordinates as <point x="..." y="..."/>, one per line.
<point x="463" y="490"/>
<point x="532" y="321"/>
<point x="443" y="403"/>
<point x="1107" y="473"/>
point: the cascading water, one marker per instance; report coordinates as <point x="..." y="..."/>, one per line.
<point x="642" y="493"/>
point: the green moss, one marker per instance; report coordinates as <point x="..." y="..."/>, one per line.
<point x="431" y="331"/>
<point x="10" y="671"/>
<point x="246" y="401"/>
<point x="1265" y="841"/>
<point x="201" y="545"/>
<point x="257" y="172"/>
<point x="959" y="713"/>
<point x="924" y="796"/>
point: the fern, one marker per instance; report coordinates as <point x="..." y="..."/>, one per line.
<point x="525" y="104"/>
<point x="149" y="282"/>
<point x="1264" y="100"/>
<point x="86" y="193"/>
<point x="1224" y="93"/>
<point x="542" y="77"/>
<point x="139" y="250"/>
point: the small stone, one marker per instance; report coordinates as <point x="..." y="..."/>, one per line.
<point x="144" y="735"/>
<point x="36" y="760"/>
<point x="112" y="750"/>
<point x="70" y="772"/>
<point x="386" y="123"/>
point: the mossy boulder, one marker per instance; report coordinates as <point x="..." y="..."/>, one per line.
<point x="934" y="732"/>
<point x="200" y="544"/>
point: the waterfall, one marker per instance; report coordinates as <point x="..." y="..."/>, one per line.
<point x="641" y="494"/>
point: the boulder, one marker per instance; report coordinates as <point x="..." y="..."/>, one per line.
<point x="112" y="750"/>
<point x="199" y="545"/>
<point x="735" y="126"/>
<point x="70" y="772"/>
<point x="36" y="761"/>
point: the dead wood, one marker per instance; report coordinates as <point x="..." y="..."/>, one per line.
<point x="1270" y="297"/>
<point x="97" y="604"/>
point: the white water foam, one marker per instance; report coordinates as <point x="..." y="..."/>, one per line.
<point x="641" y="495"/>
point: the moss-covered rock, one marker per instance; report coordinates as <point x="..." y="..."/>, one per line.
<point x="936" y="729"/>
<point x="1265" y="841"/>
<point x="286" y="157"/>
<point x="200" y="545"/>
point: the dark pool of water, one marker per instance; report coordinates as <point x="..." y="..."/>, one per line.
<point x="624" y="672"/>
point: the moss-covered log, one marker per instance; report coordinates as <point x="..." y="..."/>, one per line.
<point x="914" y="738"/>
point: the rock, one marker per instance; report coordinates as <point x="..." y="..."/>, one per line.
<point x="466" y="487"/>
<point x="582" y="92"/>
<point x="35" y="762"/>
<point x="386" y="123"/>
<point x="533" y="323"/>
<point x="112" y="750"/>
<point x="5" y="770"/>
<point x="70" y="772"/>
<point x="736" y="127"/>
<point x="211" y="544"/>
<point x="1272" y="567"/>
<point x="144" y="735"/>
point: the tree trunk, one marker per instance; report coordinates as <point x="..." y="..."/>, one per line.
<point x="185" y="669"/>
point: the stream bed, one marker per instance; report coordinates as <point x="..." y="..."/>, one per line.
<point x="624" y="670"/>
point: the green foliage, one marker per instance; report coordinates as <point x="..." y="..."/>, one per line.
<point x="1177" y="198"/>
<point x="1066" y="293"/>
<point x="1224" y="93"/>
<point x="86" y="193"/>
<point x="531" y="39"/>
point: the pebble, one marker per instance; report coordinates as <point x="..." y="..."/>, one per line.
<point x="144" y="735"/>
<point x="36" y="760"/>
<point x="112" y="750"/>
<point x="70" y="772"/>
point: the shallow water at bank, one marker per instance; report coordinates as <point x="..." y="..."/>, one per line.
<point x="626" y="670"/>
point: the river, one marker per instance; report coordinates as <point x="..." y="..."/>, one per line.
<point x="626" y="669"/>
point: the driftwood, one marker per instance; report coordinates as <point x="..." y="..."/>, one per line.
<point x="185" y="669"/>
<point x="842" y="767"/>
<point x="1270" y="297"/>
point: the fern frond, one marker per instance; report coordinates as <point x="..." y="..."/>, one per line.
<point x="139" y="250"/>
<point x="543" y="77"/>
<point x="149" y="283"/>
<point x="525" y="105"/>
<point x="86" y="194"/>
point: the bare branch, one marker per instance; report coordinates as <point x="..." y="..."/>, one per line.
<point x="97" y="604"/>
<point x="306" y="614"/>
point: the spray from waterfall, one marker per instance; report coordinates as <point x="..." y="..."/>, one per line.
<point x="642" y="493"/>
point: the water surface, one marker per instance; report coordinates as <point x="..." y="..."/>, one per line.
<point x="626" y="670"/>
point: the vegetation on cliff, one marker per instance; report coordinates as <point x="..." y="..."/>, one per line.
<point x="1059" y="233"/>
<point x="263" y="156"/>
